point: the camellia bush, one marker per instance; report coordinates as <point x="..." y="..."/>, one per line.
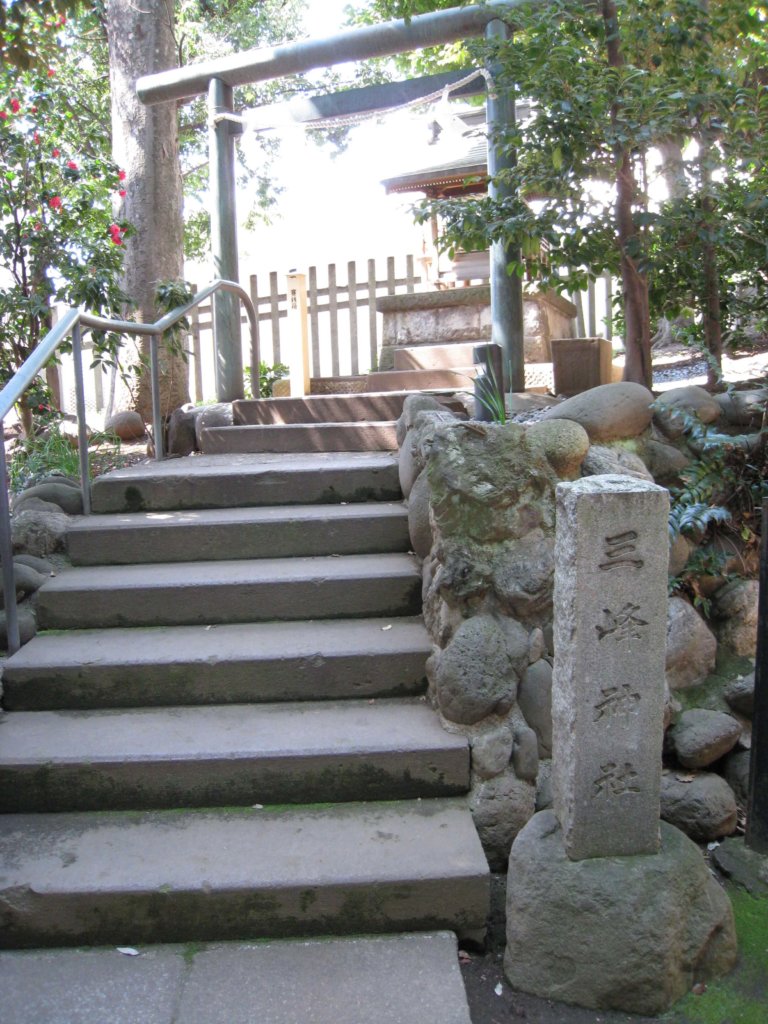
<point x="59" y="239"/>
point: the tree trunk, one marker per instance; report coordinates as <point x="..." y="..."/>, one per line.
<point x="710" y="300"/>
<point x="634" y="284"/>
<point x="145" y="146"/>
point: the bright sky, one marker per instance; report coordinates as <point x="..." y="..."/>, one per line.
<point x="334" y="208"/>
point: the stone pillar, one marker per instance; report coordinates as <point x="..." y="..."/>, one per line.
<point x="610" y="613"/>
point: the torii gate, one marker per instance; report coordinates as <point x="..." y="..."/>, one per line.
<point x="218" y="77"/>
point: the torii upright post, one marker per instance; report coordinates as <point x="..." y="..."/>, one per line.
<point x="506" y="289"/>
<point x="226" y="311"/>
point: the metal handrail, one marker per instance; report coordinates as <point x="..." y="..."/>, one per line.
<point x="73" y="322"/>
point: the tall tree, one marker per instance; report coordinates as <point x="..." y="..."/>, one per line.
<point x="145" y="142"/>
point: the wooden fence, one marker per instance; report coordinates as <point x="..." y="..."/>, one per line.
<point x="344" y="327"/>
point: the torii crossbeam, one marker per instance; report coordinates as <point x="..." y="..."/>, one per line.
<point x="217" y="78"/>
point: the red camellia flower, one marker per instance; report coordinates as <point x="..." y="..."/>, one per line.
<point x="55" y="152"/>
<point x="3" y="115"/>
<point x="71" y="165"/>
<point x="51" y="72"/>
<point x="15" y="106"/>
<point x="122" y="193"/>
<point x="121" y="175"/>
<point x="55" y="202"/>
<point x="33" y="110"/>
<point x="38" y="226"/>
<point x="36" y="138"/>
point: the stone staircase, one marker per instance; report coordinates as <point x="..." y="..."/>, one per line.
<point x="220" y="738"/>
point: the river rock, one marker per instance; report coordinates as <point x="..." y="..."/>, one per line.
<point x="613" y="933"/>
<point x="525" y="756"/>
<point x="33" y="504"/>
<point x="740" y="694"/>
<point x="492" y="751"/>
<point x="68" y="499"/>
<point x="743" y="408"/>
<point x="523" y="577"/>
<point x="601" y="460"/>
<point x="39" y="533"/>
<point x="672" y="406"/>
<point x="563" y="443"/>
<point x="41" y="565"/>
<point x="217" y="415"/>
<point x="734" y="611"/>
<point x="500" y="808"/>
<point x="474" y="675"/>
<point x="182" y="439"/>
<point x="412" y="406"/>
<point x="665" y="462"/>
<point x="736" y="771"/>
<point x="701" y="804"/>
<point x="691" y="646"/>
<point x="534" y="698"/>
<point x="679" y="552"/>
<point x="27" y="624"/>
<point x="127" y="425"/>
<point x="609" y="412"/>
<point x="26" y="579"/>
<point x="700" y="737"/>
<point x="419" y="525"/>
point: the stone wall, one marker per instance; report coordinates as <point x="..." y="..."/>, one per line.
<point x="481" y="507"/>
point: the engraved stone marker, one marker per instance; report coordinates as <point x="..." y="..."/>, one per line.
<point x="611" y="560"/>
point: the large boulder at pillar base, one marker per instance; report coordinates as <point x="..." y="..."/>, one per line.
<point x="700" y="737"/>
<point x="563" y="443"/>
<point x="701" y="804"/>
<point x="475" y="675"/>
<point x="691" y="646"/>
<point x="523" y="577"/>
<point x="613" y="933"/>
<point x="610" y="412"/>
<point x="734" y="612"/>
<point x="680" y="549"/>
<point x="128" y="426"/>
<point x="39" y="533"/>
<point x="500" y="808"/>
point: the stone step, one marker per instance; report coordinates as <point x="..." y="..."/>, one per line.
<point x="208" y="875"/>
<point x="455" y="356"/>
<point x="224" y="664"/>
<point x="301" y="437"/>
<point x="216" y="534"/>
<point x="421" y="380"/>
<point x="190" y="593"/>
<point x="369" y="407"/>
<point x="392" y="979"/>
<point x="235" y="481"/>
<point x="225" y="756"/>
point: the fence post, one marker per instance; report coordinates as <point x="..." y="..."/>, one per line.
<point x="354" y="365"/>
<point x="298" y="334"/>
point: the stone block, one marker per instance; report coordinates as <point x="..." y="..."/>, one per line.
<point x="608" y="683"/>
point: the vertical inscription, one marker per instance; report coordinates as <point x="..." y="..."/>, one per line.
<point x="608" y="686"/>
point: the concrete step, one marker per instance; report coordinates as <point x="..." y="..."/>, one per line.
<point x="369" y="407"/>
<point x="220" y="534"/>
<point x="224" y="664"/>
<point x="225" y="756"/>
<point x="392" y="979"/>
<point x="236" y="481"/>
<point x="191" y="876"/>
<point x="189" y="593"/>
<point x="455" y="356"/>
<point x="301" y="437"/>
<point x="420" y="380"/>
